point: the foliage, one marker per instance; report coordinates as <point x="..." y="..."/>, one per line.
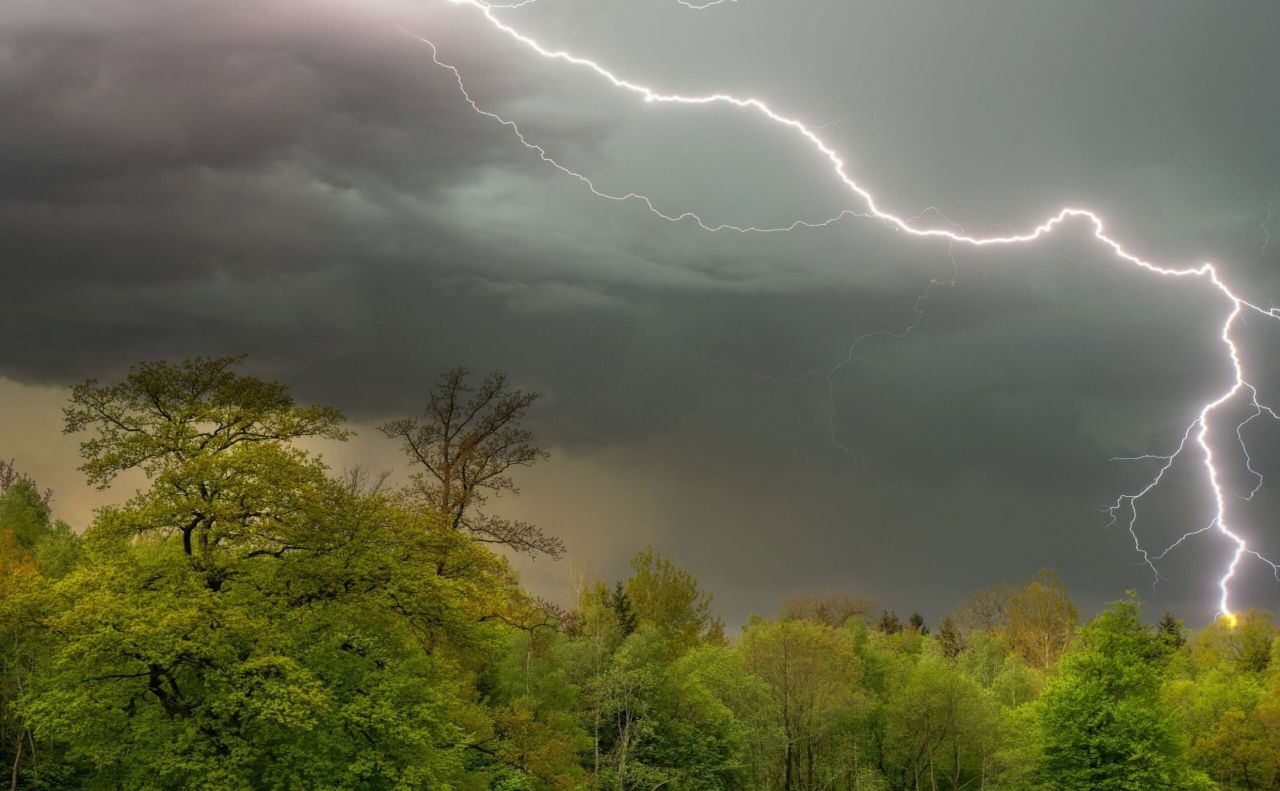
<point x="249" y="620"/>
<point x="1104" y="724"/>
<point x="1041" y="620"/>
<point x="670" y="599"/>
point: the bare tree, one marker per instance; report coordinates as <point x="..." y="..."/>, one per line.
<point x="986" y="610"/>
<point x="466" y="443"/>
<point x="829" y="609"/>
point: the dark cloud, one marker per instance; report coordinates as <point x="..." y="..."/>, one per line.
<point x="299" y="181"/>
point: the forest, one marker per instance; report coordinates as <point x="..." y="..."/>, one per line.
<point x="252" y="619"/>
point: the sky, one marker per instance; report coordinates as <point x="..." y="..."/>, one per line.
<point x="299" y="181"/>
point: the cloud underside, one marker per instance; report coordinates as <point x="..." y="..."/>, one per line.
<point x="301" y="183"/>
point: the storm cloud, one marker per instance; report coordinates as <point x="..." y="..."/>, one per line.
<point x="300" y="182"/>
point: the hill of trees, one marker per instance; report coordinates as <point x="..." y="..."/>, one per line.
<point x="252" y="620"/>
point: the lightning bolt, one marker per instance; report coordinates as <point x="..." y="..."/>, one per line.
<point x="1199" y="434"/>
<point x="701" y="6"/>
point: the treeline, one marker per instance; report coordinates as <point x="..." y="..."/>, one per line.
<point x="250" y="620"/>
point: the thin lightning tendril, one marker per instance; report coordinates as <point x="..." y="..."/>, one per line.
<point x="1197" y="434"/>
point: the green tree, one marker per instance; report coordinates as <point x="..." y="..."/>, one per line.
<point x="670" y="599"/>
<point x="1041" y="620"/>
<point x="916" y="623"/>
<point x="711" y="715"/>
<point x="889" y="622"/>
<point x="984" y="657"/>
<point x="812" y="673"/>
<point x="248" y="621"/>
<point x="1104" y="724"/>
<point x="1227" y="709"/>
<point x="535" y="688"/>
<point x="1171" y="631"/>
<point x="622" y="609"/>
<point x="35" y="552"/>
<point x="1244" y="640"/>
<point x="623" y="697"/>
<point x="217" y="448"/>
<point x="950" y="640"/>
<point x="944" y="729"/>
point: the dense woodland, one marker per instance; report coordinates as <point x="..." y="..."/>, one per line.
<point x="251" y="619"/>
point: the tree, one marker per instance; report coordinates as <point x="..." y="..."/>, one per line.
<point x="831" y="609"/>
<point x="35" y="552"/>
<point x="1171" y="632"/>
<point x="622" y="608"/>
<point x="248" y="621"/>
<point x="987" y="610"/>
<point x="811" y="671"/>
<point x="1104" y="723"/>
<point x="715" y="723"/>
<point x="889" y="623"/>
<point x="1042" y="620"/>
<point x="1243" y="748"/>
<point x="943" y="729"/>
<point x="984" y="657"/>
<point x="623" y="696"/>
<point x="11" y="478"/>
<point x="1227" y="695"/>
<point x="949" y="639"/>
<point x="1243" y="640"/>
<point x="33" y="535"/>
<point x="916" y="624"/>
<point x="669" y="598"/>
<point x="534" y="687"/>
<point x="216" y="446"/>
<point x="465" y="444"/>
<point x="334" y="665"/>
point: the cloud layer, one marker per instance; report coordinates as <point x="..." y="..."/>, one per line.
<point x="300" y="182"/>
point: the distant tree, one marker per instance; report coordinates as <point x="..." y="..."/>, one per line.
<point x="10" y="478"/>
<point x="983" y="657"/>
<point x="715" y="723"/>
<point x="943" y="728"/>
<point x="1170" y="630"/>
<point x="1016" y="683"/>
<point x="811" y="671"/>
<point x="33" y="535"/>
<point x="466" y="443"/>
<point x="622" y="699"/>
<point x="916" y="624"/>
<point x="667" y="596"/>
<point x="1105" y="725"/>
<point x="889" y="623"/>
<point x="1042" y="620"/>
<point x="949" y="639"/>
<point x="1242" y="751"/>
<point x="622" y="608"/>
<point x="830" y="609"/>
<point x="1244" y="641"/>
<point x="987" y="610"/>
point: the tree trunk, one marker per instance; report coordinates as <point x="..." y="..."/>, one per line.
<point x="17" y="761"/>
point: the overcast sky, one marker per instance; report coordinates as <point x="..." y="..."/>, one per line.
<point x="299" y="181"/>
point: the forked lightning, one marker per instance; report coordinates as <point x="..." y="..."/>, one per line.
<point x="1200" y="434"/>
